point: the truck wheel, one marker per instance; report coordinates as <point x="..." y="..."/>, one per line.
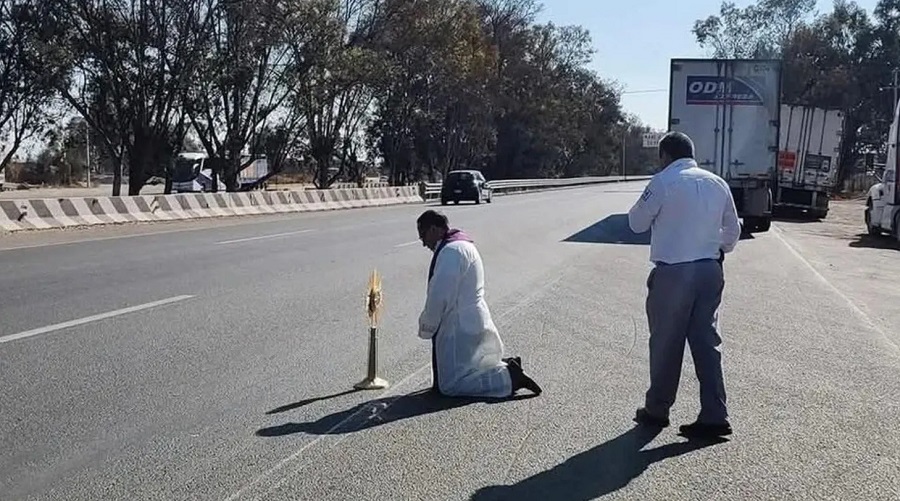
<point x="870" y="228"/>
<point x="820" y="213"/>
<point x="757" y="224"/>
<point x="896" y="230"/>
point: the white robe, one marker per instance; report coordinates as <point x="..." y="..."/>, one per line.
<point x="469" y="350"/>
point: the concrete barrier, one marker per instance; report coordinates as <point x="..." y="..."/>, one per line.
<point x="35" y="214"/>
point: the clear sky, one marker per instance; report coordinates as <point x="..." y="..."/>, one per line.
<point x="634" y="41"/>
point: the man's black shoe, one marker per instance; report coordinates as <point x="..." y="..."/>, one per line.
<point x="519" y="379"/>
<point x="704" y="430"/>
<point x="513" y="360"/>
<point x="645" y="418"/>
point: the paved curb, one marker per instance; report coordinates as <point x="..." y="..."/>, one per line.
<point x="47" y="213"/>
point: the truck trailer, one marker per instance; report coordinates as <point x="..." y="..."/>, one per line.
<point x="808" y="158"/>
<point x="730" y="108"/>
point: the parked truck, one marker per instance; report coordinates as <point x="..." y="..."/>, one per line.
<point x="730" y="108"/>
<point x="192" y="174"/>
<point x="882" y="213"/>
<point x="808" y="158"/>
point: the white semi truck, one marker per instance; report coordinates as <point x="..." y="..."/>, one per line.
<point x="808" y="158"/>
<point x="730" y="108"/>
<point x="193" y="174"/>
<point x="882" y="213"/>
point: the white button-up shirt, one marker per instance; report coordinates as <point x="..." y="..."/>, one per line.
<point x="691" y="214"/>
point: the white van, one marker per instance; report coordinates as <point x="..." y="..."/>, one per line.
<point x="882" y="213"/>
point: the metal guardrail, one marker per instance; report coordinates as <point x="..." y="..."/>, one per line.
<point x="433" y="190"/>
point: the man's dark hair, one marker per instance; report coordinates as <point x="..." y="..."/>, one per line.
<point x="431" y="218"/>
<point x="677" y="145"/>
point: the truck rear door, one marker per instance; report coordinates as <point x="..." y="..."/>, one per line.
<point x="810" y="147"/>
<point x="730" y="109"/>
<point x="752" y="119"/>
<point x="694" y="111"/>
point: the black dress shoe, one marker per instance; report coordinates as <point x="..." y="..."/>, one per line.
<point x="704" y="430"/>
<point x="645" y="418"/>
<point x="513" y="360"/>
<point x="520" y="380"/>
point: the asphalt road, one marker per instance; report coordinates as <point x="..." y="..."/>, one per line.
<point x="228" y="377"/>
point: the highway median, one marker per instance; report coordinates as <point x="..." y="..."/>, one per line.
<point x="68" y="212"/>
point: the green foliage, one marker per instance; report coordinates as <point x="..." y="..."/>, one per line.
<point x="413" y="87"/>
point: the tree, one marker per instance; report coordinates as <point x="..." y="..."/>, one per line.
<point x="247" y="75"/>
<point x="756" y="31"/>
<point x="434" y="114"/>
<point x="26" y="88"/>
<point x="340" y="84"/>
<point x="127" y="65"/>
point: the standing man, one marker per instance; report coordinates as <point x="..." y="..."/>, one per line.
<point x="694" y="224"/>
<point x="467" y="350"/>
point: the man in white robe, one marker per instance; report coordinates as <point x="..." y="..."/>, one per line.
<point x="467" y="352"/>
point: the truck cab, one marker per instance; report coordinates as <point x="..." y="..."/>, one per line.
<point x="192" y="174"/>
<point x="882" y="213"/>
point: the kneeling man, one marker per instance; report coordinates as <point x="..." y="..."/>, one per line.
<point x="467" y="352"/>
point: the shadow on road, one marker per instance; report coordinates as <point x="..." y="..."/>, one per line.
<point x="794" y="215"/>
<point x="596" y="472"/>
<point x="303" y="403"/>
<point x="611" y="230"/>
<point x="867" y="241"/>
<point x="378" y="412"/>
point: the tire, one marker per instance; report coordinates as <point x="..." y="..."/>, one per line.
<point x="757" y="224"/>
<point x="444" y="201"/>
<point x="867" y="216"/>
<point x="820" y="214"/>
<point x="896" y="230"/>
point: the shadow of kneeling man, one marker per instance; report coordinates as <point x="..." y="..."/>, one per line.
<point x="602" y="470"/>
<point x="377" y="412"/>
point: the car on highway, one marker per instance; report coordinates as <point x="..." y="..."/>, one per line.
<point x="461" y="185"/>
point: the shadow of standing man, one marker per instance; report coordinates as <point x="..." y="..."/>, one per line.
<point x="596" y="472"/>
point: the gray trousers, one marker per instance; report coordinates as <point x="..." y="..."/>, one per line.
<point x="682" y="306"/>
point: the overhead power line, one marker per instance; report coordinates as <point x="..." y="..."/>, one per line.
<point x="646" y="91"/>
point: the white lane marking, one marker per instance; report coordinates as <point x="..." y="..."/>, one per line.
<point x="263" y="237"/>
<point x="390" y="393"/>
<point x="856" y="309"/>
<point x="100" y="239"/>
<point x="92" y="318"/>
<point x="407" y="244"/>
<point x="328" y="434"/>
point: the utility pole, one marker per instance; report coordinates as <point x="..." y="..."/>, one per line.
<point x="895" y="74"/>
<point x="87" y="142"/>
